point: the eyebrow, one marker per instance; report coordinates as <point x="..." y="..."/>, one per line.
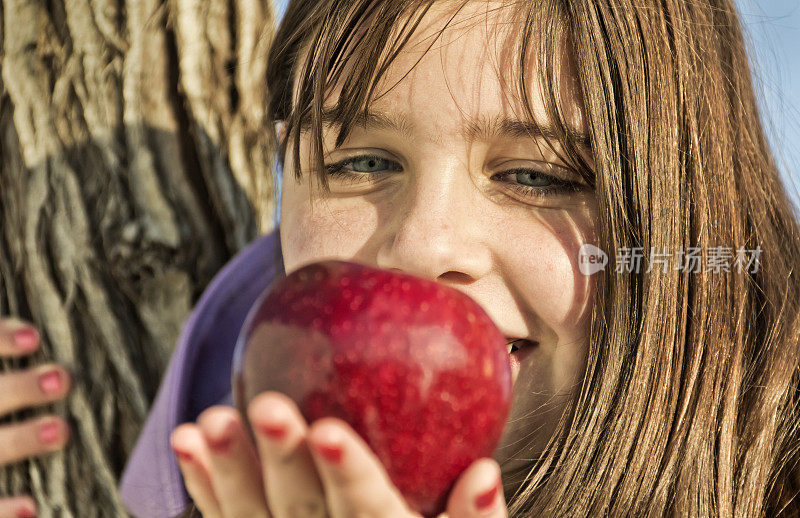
<point x="483" y="129"/>
<point x="487" y="129"/>
<point x="372" y="120"/>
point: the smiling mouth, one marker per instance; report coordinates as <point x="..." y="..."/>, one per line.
<point x="518" y="350"/>
<point x="517" y="344"/>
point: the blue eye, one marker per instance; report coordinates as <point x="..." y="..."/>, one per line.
<point x="534" y="179"/>
<point x="368" y="164"/>
<point x="536" y="184"/>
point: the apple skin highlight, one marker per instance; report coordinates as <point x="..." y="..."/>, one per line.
<point x="417" y="368"/>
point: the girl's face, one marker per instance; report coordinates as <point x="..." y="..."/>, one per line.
<point x="443" y="181"/>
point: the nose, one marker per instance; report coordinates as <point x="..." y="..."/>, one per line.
<point x="437" y="232"/>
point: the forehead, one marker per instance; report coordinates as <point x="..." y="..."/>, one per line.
<point x="462" y="63"/>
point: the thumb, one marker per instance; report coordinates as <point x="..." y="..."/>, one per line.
<point x="478" y="492"/>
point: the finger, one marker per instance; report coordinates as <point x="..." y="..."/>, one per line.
<point x="37" y="386"/>
<point x="235" y="469"/>
<point x="32" y="438"/>
<point x="17" y="507"/>
<point x="17" y="338"/>
<point x="355" y="482"/>
<point x="292" y="484"/>
<point x="193" y="458"/>
<point x="478" y="492"/>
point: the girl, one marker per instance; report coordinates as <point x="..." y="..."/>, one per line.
<point x="486" y="145"/>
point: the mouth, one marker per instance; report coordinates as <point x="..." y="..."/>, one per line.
<point x="518" y="350"/>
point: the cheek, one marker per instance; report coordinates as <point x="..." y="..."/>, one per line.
<point x="323" y="230"/>
<point x="545" y="268"/>
<point x="544" y="265"/>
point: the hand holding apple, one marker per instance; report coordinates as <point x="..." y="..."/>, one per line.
<point x="417" y="369"/>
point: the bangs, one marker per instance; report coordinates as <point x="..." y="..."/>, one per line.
<point x="352" y="45"/>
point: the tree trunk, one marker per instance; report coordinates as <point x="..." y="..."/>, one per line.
<point x="133" y="165"/>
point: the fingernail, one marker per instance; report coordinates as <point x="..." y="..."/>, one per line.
<point x="24" y="512"/>
<point x="183" y="455"/>
<point x="51" y="382"/>
<point x="220" y="446"/>
<point x="224" y="439"/>
<point x="273" y="431"/>
<point x="48" y="433"/>
<point x="330" y="453"/>
<point x="485" y="501"/>
<point x="26" y="339"/>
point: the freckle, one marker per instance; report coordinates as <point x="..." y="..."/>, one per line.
<point x="424" y="307"/>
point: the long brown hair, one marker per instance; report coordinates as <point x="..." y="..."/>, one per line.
<point x="690" y="401"/>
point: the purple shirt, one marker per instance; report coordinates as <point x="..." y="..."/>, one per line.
<point x="198" y="376"/>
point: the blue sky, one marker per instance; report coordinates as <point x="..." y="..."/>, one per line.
<point x="772" y="30"/>
<point x="773" y="33"/>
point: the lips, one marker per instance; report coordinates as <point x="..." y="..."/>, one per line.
<point x="517" y="344"/>
<point x="518" y="350"/>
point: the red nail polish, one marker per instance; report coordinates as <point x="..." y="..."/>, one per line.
<point x="24" y="512"/>
<point x="331" y="453"/>
<point x="220" y="446"/>
<point x="26" y="339"/>
<point x="185" y="456"/>
<point x="275" y="432"/>
<point x="48" y="433"/>
<point x="51" y="382"/>
<point x="485" y="501"/>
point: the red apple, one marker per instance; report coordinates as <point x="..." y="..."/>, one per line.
<point x="417" y="368"/>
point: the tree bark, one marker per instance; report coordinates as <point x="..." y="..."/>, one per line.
<point x="134" y="163"/>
